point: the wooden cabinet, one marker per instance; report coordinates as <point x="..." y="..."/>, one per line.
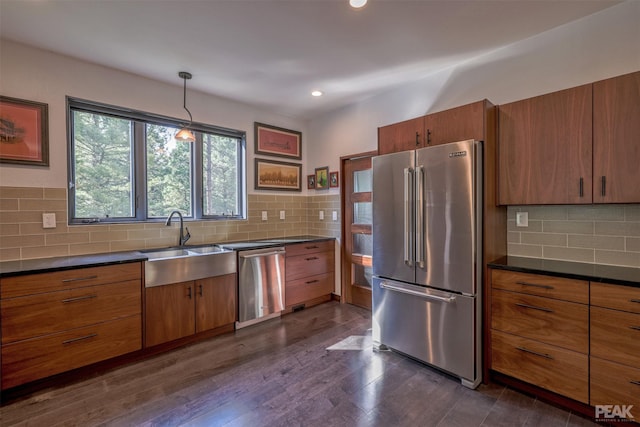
<point x="540" y="331"/>
<point x="456" y="124"/>
<point x="616" y="139"/>
<point x="545" y="149"/>
<point x="55" y="322"/>
<point x="181" y="309"/>
<point x="309" y="272"/>
<point x="615" y="345"/>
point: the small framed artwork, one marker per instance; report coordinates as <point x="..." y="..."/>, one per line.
<point x="322" y="178"/>
<point x="333" y="179"/>
<point x="24" y="133"/>
<point x="311" y="182"/>
<point x="280" y="176"/>
<point x="275" y="141"/>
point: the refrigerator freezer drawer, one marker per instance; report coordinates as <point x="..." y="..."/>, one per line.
<point x="432" y="326"/>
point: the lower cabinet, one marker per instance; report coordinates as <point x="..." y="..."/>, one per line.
<point x="182" y="309"/>
<point x="309" y="272"/>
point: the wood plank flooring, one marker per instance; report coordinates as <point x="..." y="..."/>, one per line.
<point x="280" y="373"/>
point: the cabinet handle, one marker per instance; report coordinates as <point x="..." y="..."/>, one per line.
<point x="428" y="136"/>
<point x="73" y="340"/>
<point x="200" y="290"/>
<point x="526" y="350"/>
<point x="635" y="300"/>
<point x="82" y="298"/>
<point x="635" y="382"/>
<point x="603" y="190"/>
<point x="77" y="279"/>
<point x="311" y="281"/>
<point x="535" y="285"/>
<point x="417" y="139"/>
<point x="533" y="307"/>
<point x="581" y="187"/>
<point x="635" y="328"/>
<point x="311" y="258"/>
<point x="311" y="247"/>
<point x="189" y="294"/>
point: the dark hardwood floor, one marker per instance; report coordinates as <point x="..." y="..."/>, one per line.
<point x="280" y="373"/>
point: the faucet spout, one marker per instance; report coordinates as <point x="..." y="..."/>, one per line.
<point x="182" y="239"/>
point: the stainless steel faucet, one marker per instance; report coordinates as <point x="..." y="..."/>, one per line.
<point x="183" y="238"/>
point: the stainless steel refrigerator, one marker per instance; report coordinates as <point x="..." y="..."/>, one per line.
<point x="427" y="256"/>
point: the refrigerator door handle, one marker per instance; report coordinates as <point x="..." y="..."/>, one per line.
<point x="420" y="219"/>
<point x="426" y="294"/>
<point x="408" y="253"/>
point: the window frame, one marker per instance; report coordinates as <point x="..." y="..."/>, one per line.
<point x="139" y="120"/>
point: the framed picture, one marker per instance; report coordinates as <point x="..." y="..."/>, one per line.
<point x="281" y="176"/>
<point x="333" y="179"/>
<point x="24" y="132"/>
<point x="322" y="178"/>
<point x="311" y="182"/>
<point x="275" y="141"/>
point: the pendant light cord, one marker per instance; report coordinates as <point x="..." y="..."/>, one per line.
<point x="186" y="76"/>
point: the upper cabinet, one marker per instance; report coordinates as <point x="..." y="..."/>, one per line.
<point x="545" y="149"/>
<point x="616" y="139"/>
<point x="455" y="124"/>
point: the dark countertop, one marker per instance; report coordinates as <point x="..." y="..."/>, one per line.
<point x="628" y="276"/>
<point x="45" y="265"/>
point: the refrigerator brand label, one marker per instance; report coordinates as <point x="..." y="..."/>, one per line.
<point x="458" y="154"/>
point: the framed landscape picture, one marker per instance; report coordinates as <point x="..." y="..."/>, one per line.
<point x="275" y="141"/>
<point x="24" y="133"/>
<point x="281" y="176"/>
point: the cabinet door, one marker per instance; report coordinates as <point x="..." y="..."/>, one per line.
<point x="456" y="124"/>
<point x="407" y="135"/>
<point x="215" y="302"/>
<point x="616" y="139"/>
<point x="545" y="149"/>
<point x="170" y="313"/>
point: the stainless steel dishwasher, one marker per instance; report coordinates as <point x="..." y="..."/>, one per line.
<point x="260" y="285"/>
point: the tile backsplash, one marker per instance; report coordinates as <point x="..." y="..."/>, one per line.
<point x="602" y="234"/>
<point x="23" y="237"/>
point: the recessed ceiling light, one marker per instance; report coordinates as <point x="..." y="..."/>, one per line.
<point x="316" y="93"/>
<point x="357" y="4"/>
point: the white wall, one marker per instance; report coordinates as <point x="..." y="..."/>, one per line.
<point x="42" y="76"/>
<point x="599" y="46"/>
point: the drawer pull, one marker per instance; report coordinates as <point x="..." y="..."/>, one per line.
<point x="635" y="382"/>
<point x="533" y="307"/>
<point x="82" y="298"/>
<point x="311" y="247"/>
<point x="311" y="258"/>
<point x="526" y="350"/>
<point x="73" y="340"/>
<point x="635" y="328"/>
<point x="311" y="281"/>
<point x="78" y="279"/>
<point x="635" y="300"/>
<point x="535" y="285"/>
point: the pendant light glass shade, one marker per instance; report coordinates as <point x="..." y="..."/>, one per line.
<point x="185" y="134"/>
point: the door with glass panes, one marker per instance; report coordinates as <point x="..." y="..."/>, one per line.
<point x="356" y="262"/>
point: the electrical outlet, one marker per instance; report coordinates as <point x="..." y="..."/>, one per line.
<point x="264" y="215"/>
<point x="321" y="215"/>
<point x="48" y="220"/>
<point x="522" y="219"/>
<point x="281" y="214"/>
<point x="334" y="215"/>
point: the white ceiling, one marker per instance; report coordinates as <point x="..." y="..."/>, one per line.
<point x="272" y="53"/>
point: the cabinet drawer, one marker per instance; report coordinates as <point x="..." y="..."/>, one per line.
<point x="49" y="282"/>
<point x="297" y="267"/>
<point x="615" y="384"/>
<point x="42" y="314"/>
<point x="619" y="297"/>
<point x="310" y="247"/>
<point x="308" y="288"/>
<point x="541" y="285"/>
<point x="30" y="360"/>
<point x="615" y="335"/>
<point x="561" y="323"/>
<point x="562" y="371"/>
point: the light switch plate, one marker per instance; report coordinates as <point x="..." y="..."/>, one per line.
<point x="264" y="215"/>
<point x="281" y="214"/>
<point x="522" y="219"/>
<point x="48" y="220"/>
<point x="334" y="215"/>
<point x="321" y="215"/>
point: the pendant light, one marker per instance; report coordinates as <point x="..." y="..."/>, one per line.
<point x="185" y="134"/>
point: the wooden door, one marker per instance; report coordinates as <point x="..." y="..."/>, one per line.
<point x="215" y="302"/>
<point x="358" y="246"/>
<point x="456" y="124"/>
<point x="170" y="313"/>
<point x="545" y="148"/>
<point x="407" y="135"/>
<point x="616" y="139"/>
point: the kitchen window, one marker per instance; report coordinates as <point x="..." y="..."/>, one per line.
<point x="125" y="166"/>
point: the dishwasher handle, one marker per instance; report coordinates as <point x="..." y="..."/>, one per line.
<point x="261" y="254"/>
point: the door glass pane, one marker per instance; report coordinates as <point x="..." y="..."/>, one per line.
<point x="362" y="275"/>
<point x="362" y="181"/>
<point x="362" y="213"/>
<point x="363" y="244"/>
